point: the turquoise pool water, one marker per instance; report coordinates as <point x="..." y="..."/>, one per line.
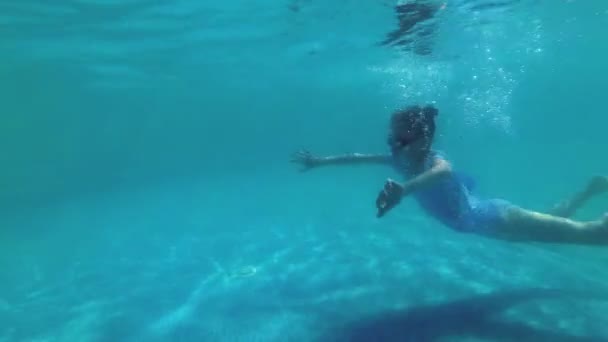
<point x="146" y="192"/>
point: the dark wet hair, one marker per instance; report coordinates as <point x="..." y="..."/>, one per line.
<point x="412" y="123"/>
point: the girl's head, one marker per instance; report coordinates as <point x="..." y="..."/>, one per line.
<point x="412" y="130"/>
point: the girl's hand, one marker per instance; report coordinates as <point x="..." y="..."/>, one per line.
<point x="389" y="197"/>
<point x="306" y="159"/>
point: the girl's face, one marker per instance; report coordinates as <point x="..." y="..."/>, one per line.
<point x="407" y="144"/>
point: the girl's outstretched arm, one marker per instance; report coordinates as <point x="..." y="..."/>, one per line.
<point x="308" y="161"/>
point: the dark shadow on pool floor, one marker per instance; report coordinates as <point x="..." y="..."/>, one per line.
<point x="477" y="316"/>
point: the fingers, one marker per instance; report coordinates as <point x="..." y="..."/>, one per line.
<point x="304" y="158"/>
<point x="387" y="199"/>
<point x="304" y="155"/>
<point x="389" y="185"/>
<point x="300" y="156"/>
<point x="382" y="203"/>
<point x="383" y="207"/>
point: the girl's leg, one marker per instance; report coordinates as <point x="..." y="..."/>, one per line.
<point x="597" y="185"/>
<point x="525" y="225"/>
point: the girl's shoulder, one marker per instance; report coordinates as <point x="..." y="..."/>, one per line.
<point x="438" y="154"/>
<point x="434" y="155"/>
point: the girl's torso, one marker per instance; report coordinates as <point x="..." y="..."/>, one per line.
<point x="449" y="199"/>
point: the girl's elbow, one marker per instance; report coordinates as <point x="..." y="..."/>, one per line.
<point x="444" y="169"/>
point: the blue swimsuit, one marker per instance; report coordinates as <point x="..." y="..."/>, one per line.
<point x="452" y="202"/>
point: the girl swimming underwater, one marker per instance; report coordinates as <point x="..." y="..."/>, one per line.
<point x="449" y="196"/>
